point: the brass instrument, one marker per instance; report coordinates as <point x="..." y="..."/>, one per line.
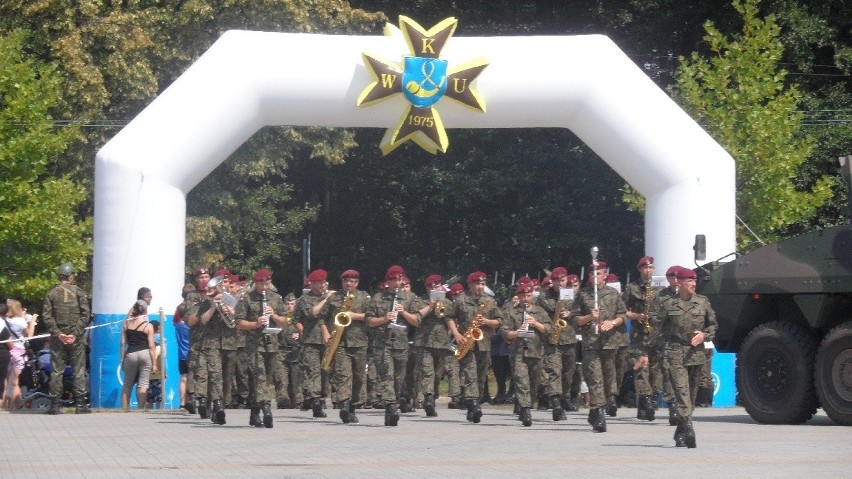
<point x="649" y="296"/>
<point x="559" y="324"/>
<point x="227" y="317"/>
<point x="473" y="333"/>
<point x="440" y="309"/>
<point x="341" y="321"/>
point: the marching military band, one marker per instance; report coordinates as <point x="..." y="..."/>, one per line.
<point x="254" y="348"/>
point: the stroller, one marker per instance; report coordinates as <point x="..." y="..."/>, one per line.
<point x="35" y="380"/>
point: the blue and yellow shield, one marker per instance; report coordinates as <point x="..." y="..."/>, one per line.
<point x="424" y="80"/>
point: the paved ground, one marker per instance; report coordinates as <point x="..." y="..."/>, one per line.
<point x="109" y="444"/>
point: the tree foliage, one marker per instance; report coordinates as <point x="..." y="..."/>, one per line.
<point x="39" y="227"/>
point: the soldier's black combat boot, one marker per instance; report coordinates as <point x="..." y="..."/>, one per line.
<point x="391" y="414"/>
<point x="611" y="406"/>
<point x="455" y="403"/>
<point x="429" y="405"/>
<point x="353" y="419"/>
<point x="203" y="410"/>
<point x="317" y="408"/>
<point x="569" y="405"/>
<point x="597" y="420"/>
<point x="673" y="418"/>
<point x="689" y="434"/>
<point x="190" y="403"/>
<point x="54" y="408"/>
<point x="556" y="407"/>
<point x="526" y="417"/>
<point x="218" y="416"/>
<point x="641" y="409"/>
<point x="254" y="417"/>
<point x="650" y="414"/>
<point x="345" y="406"/>
<point x="267" y="415"/>
<point x="81" y="406"/>
<point x="475" y="411"/>
<point x="680" y="433"/>
<point x="404" y="406"/>
<point x="305" y="405"/>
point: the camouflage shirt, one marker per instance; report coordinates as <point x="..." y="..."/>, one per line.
<point x="634" y="298"/>
<point x="676" y="322"/>
<point x="433" y="331"/>
<point x="531" y="347"/>
<point x="549" y="301"/>
<point x="395" y="338"/>
<point x="465" y="308"/>
<point x="354" y="335"/>
<point x="66" y="310"/>
<point x="249" y="309"/>
<point x="611" y="306"/>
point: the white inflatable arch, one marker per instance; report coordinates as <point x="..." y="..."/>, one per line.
<point x="248" y="80"/>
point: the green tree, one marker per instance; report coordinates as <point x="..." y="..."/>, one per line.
<point x="39" y="228"/>
<point x="738" y="93"/>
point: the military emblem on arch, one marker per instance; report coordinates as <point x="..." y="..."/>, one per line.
<point x="424" y="79"/>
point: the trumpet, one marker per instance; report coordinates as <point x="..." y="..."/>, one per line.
<point x="228" y="299"/>
<point x="341" y="321"/>
<point x="440" y="309"/>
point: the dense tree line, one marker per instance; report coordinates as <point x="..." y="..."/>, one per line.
<point x="502" y="201"/>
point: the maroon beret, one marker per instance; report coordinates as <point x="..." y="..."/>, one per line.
<point x="222" y="272"/>
<point x="350" y="274"/>
<point x="601" y="265"/>
<point x="317" y="275"/>
<point x="572" y="278"/>
<point x="546" y="282"/>
<point x="394" y="272"/>
<point x="686" y="273"/>
<point x="533" y="282"/>
<point x="646" y="260"/>
<point x="611" y="278"/>
<point x="404" y="280"/>
<point x="200" y="271"/>
<point x="432" y="280"/>
<point x="672" y="271"/>
<point x="523" y="279"/>
<point x="476" y="277"/>
<point x="523" y="289"/>
<point x="455" y="289"/>
<point x="233" y="278"/>
<point x="558" y="272"/>
<point x="262" y="275"/>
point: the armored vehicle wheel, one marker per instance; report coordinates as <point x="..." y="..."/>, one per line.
<point x="775" y="374"/>
<point x="833" y="374"/>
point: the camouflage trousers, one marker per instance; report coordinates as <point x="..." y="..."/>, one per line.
<point x="451" y="372"/>
<point x="483" y="364"/>
<point x="526" y="375"/>
<point x="75" y="355"/>
<point x="648" y="381"/>
<point x="262" y="366"/>
<point x="468" y="372"/>
<point x="599" y="372"/>
<point x="684" y="378"/>
<point x="234" y="375"/>
<point x="559" y="363"/>
<point x="208" y="374"/>
<point x="432" y="363"/>
<point x="288" y="377"/>
<point x="391" y="368"/>
<point x="191" y="368"/>
<point x="311" y="372"/>
<point x="349" y="375"/>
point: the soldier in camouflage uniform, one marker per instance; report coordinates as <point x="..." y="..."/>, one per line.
<point x="349" y="376"/>
<point x="525" y="327"/>
<point x="259" y="309"/>
<point x="667" y="392"/>
<point x="232" y="341"/>
<point x="311" y="314"/>
<point x="560" y="359"/>
<point x="288" y="384"/>
<point x="683" y="323"/>
<point x="639" y="296"/>
<point x="452" y="370"/>
<point x="598" y="325"/>
<point x="202" y="276"/>
<point x="474" y="308"/>
<point x="391" y="346"/>
<point x="66" y="316"/>
<point x="432" y="340"/>
<point x="210" y="320"/>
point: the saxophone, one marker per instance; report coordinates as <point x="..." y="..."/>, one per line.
<point x="473" y="333"/>
<point x="341" y="321"/>
<point x="559" y="324"/>
<point x="649" y="296"/>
